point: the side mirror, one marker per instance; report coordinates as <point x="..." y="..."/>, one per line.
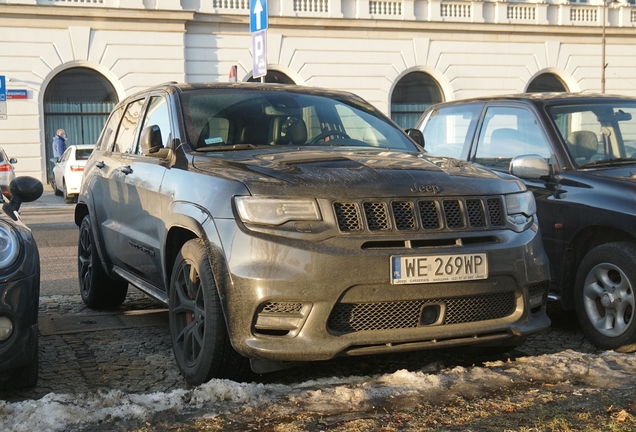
<point x="416" y="135"/>
<point x="22" y="189"/>
<point x="150" y="140"/>
<point x="531" y="167"/>
<point x="13" y="161"/>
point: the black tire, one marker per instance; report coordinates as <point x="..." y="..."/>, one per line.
<point x="605" y="296"/>
<point x="55" y="189"/>
<point x="67" y="199"/>
<point x="98" y="290"/>
<point x="25" y="376"/>
<point x="200" y="339"/>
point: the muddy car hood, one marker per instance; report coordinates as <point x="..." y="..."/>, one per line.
<point x="353" y="173"/>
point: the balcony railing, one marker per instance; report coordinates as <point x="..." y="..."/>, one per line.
<point x="385" y="8"/>
<point x="524" y="13"/>
<point x="619" y="14"/>
<point x="456" y="10"/>
<point x="311" y="6"/>
<point x="584" y="14"/>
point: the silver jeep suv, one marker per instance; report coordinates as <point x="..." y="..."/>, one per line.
<point x="286" y="224"/>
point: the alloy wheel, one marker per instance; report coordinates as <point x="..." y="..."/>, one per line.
<point x="608" y="297"/>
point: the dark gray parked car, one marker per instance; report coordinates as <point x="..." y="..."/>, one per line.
<point x="19" y="289"/>
<point x="577" y="153"/>
<point x="284" y="224"/>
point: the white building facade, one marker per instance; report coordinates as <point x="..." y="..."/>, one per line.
<point x="77" y="58"/>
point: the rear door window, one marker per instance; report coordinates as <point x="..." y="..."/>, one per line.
<point x="507" y="132"/>
<point x="449" y="131"/>
<point x="128" y="127"/>
<point x="109" y="132"/>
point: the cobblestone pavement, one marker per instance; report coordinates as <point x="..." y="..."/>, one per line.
<point x="137" y="357"/>
<point x="80" y="354"/>
<point x="129" y="348"/>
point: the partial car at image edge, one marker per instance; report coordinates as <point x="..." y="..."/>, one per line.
<point x="19" y="290"/>
<point x="577" y="153"/>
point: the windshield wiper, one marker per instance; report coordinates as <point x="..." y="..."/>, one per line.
<point x="226" y="148"/>
<point x="613" y="161"/>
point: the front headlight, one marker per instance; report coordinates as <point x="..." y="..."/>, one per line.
<point x="276" y="211"/>
<point x="521" y="203"/>
<point x="521" y="208"/>
<point x="9" y="246"/>
<point x="6" y="328"/>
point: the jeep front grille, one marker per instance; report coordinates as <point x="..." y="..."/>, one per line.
<point x="355" y="317"/>
<point x="413" y="215"/>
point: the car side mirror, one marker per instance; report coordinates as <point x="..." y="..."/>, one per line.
<point x="151" y="141"/>
<point x="13" y="161"/>
<point x="22" y="189"/>
<point x="416" y="135"/>
<point x="531" y="167"/>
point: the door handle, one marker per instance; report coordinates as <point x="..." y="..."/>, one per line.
<point x="100" y="164"/>
<point x="126" y="170"/>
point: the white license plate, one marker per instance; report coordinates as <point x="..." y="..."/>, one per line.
<point x="438" y="268"/>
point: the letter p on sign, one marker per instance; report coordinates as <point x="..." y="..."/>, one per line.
<point x="259" y="53"/>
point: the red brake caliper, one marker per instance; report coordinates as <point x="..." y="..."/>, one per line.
<point x="190" y="316"/>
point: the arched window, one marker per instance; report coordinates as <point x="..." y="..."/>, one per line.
<point x="414" y="93"/>
<point x="546" y="82"/>
<point x="77" y="100"/>
<point x="274" y="77"/>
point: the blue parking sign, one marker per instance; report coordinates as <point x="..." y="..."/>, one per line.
<point x="3" y="89"/>
<point x="258" y="15"/>
<point x="259" y="54"/>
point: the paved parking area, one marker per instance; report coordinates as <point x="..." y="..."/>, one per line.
<point x="83" y="350"/>
<point x="128" y="349"/>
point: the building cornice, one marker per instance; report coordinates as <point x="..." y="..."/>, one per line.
<point x="97" y="18"/>
<point x="457" y="30"/>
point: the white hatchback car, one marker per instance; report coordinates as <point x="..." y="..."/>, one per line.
<point x="69" y="170"/>
<point x="6" y="173"/>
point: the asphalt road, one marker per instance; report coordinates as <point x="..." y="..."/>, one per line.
<point x="129" y="348"/>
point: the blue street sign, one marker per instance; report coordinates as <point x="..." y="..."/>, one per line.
<point x="3" y="89"/>
<point x="259" y="54"/>
<point x="258" y="15"/>
<point x="16" y="94"/>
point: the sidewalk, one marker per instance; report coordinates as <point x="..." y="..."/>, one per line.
<point x="48" y="200"/>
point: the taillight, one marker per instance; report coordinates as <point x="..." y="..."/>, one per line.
<point x="5" y="167"/>
<point x="75" y="168"/>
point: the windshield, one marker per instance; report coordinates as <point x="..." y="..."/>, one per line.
<point x="598" y="133"/>
<point x="226" y="119"/>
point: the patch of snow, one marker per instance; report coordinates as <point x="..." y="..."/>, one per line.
<point x="57" y="412"/>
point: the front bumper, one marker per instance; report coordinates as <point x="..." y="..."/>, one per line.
<point x="293" y="300"/>
<point x="19" y="302"/>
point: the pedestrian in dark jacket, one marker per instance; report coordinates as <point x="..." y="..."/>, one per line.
<point x="59" y="143"/>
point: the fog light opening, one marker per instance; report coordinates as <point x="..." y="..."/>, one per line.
<point x="430" y="314"/>
<point x="272" y="332"/>
<point x="6" y="328"/>
<point x="536" y="301"/>
<point x="280" y="318"/>
<point x="537" y="304"/>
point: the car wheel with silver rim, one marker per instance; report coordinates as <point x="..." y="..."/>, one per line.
<point x="605" y="298"/>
